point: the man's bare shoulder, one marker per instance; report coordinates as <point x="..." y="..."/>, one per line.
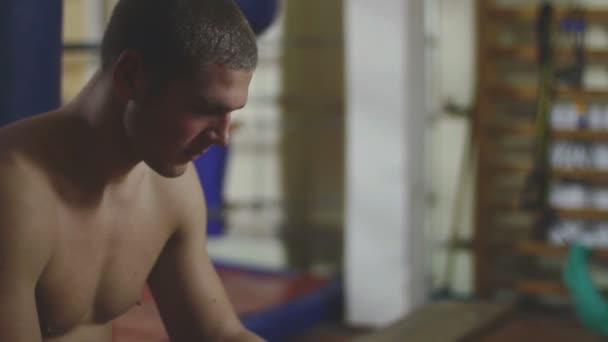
<point x="18" y="170"/>
<point x="183" y="195"/>
<point x="28" y="139"/>
<point x="18" y="132"/>
<point x="23" y="224"/>
<point x="15" y="174"/>
<point x="22" y="146"/>
<point x="21" y="189"/>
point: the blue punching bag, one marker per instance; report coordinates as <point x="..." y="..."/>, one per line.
<point x="30" y="57"/>
<point x="211" y="168"/>
<point x="259" y="13"/>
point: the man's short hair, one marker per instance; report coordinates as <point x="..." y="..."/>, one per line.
<point x="175" y="37"/>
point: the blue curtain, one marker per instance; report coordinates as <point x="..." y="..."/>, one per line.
<point x="30" y="57"/>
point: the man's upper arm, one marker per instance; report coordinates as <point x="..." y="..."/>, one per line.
<point x="23" y="252"/>
<point x="186" y="287"/>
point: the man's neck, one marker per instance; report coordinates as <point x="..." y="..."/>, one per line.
<point x="100" y="138"/>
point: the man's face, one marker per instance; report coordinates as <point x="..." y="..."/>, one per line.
<point x="172" y="127"/>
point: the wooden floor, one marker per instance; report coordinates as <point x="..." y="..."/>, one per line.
<point x="519" y="326"/>
<point x="522" y="328"/>
<point x="535" y="327"/>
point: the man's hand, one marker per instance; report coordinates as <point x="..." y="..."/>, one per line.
<point x="243" y="336"/>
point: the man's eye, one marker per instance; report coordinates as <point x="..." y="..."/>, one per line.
<point x="208" y="111"/>
<point x="200" y="110"/>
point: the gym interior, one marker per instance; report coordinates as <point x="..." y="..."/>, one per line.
<point x="420" y="170"/>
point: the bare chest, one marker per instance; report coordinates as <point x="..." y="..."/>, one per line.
<point x="99" y="268"/>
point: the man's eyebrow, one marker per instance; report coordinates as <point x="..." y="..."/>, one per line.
<point x="216" y="105"/>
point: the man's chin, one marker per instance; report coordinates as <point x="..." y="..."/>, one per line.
<point x="169" y="171"/>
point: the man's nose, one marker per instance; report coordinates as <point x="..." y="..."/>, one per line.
<point x="223" y="129"/>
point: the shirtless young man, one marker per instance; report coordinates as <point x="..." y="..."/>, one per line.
<point x="99" y="197"/>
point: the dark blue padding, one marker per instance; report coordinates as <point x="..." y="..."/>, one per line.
<point x="296" y="316"/>
<point x="30" y="57"/>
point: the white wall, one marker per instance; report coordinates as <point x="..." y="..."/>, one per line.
<point x="386" y="273"/>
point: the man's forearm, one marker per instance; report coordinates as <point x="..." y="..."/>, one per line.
<point x="243" y="335"/>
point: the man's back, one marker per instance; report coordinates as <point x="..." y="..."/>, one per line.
<point x="77" y="253"/>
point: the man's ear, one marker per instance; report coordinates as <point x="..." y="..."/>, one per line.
<point x="127" y="76"/>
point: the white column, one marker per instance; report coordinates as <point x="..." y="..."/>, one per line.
<point x="386" y="259"/>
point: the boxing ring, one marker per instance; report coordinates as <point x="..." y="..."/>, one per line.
<point x="276" y="305"/>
